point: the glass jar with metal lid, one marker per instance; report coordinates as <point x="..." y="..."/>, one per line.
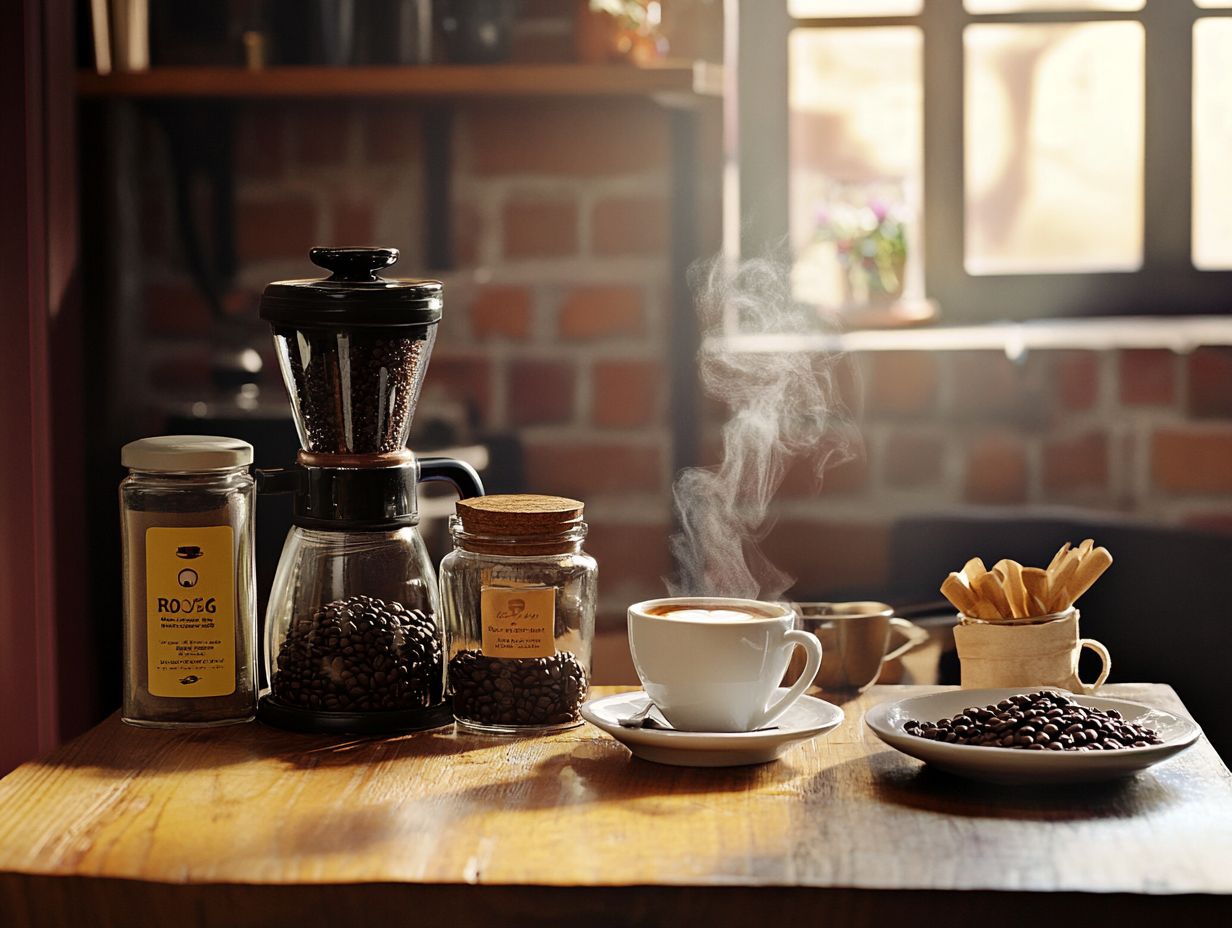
<point x="518" y="594"/>
<point x="189" y="581"/>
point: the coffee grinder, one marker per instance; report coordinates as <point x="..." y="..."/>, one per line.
<point x="353" y="640"/>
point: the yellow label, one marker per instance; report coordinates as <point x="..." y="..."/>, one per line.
<point x="190" y="610"/>
<point x="518" y="621"/>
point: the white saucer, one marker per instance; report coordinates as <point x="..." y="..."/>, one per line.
<point x="806" y="719"/>
<point x="1001" y="765"/>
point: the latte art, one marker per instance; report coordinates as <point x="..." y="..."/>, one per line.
<point x="711" y="615"/>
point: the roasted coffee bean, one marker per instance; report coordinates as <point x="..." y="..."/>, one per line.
<point x="358" y="399"/>
<point x="529" y="691"/>
<point x="317" y="670"/>
<point x="1037" y="722"/>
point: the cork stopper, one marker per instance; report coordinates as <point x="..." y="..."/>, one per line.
<point x="499" y="521"/>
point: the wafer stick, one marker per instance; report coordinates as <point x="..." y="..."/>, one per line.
<point x="955" y="589"/>
<point x="1015" y="589"/>
<point x="1090" y="570"/>
<point x="1060" y="579"/>
<point x="1058" y="558"/>
<point x="1035" y="579"/>
<point x="989" y="589"/>
<point x="972" y="569"/>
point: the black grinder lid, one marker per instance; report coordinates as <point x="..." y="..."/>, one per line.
<point x="354" y="294"/>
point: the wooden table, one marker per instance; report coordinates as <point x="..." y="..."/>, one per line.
<point x="252" y="826"/>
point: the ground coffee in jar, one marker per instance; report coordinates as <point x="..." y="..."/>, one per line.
<point x="518" y="593"/>
<point x="189" y="582"/>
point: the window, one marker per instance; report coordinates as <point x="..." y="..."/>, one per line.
<point x="1010" y="159"/>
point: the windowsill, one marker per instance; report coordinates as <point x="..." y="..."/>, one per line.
<point x="1177" y="333"/>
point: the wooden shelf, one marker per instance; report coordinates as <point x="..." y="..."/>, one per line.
<point x="673" y="82"/>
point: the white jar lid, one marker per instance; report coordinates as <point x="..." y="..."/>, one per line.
<point x="181" y="453"/>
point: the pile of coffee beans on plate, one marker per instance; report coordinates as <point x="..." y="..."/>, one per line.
<point x="1043" y="721"/>
<point x="378" y="374"/>
<point x="360" y="654"/>
<point x="523" y="691"/>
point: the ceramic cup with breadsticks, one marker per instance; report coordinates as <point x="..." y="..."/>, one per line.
<point x="1018" y="626"/>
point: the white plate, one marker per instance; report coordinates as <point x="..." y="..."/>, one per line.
<point x="1002" y="765"/>
<point x="808" y="718"/>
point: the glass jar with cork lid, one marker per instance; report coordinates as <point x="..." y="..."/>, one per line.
<point x="518" y="594"/>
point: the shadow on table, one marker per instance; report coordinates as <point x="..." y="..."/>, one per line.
<point x="899" y="780"/>
<point x="139" y="750"/>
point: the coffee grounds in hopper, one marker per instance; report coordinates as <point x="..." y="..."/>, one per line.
<point x="360" y="654"/>
<point x="517" y="691"/>
<point x="356" y="393"/>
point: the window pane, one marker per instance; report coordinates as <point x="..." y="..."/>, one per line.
<point x="1053" y="144"/>
<point x="1019" y="6"/>
<point x="820" y="8"/>
<point x="856" y="103"/>
<point x="1212" y="128"/>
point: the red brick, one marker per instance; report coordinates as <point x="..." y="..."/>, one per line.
<point x="284" y="227"/>
<point x="913" y="460"/>
<point x="1077" y="378"/>
<point x="176" y="310"/>
<point x="988" y="385"/>
<point x="354" y="223"/>
<point x="627" y="394"/>
<point x="1148" y="377"/>
<point x="466" y="379"/>
<point x="538" y="229"/>
<point x="1192" y="461"/>
<point x="1079" y="463"/>
<point x="602" y="312"/>
<point x="1210" y="383"/>
<point x="541" y="392"/>
<point x="630" y="226"/>
<point x="631" y="553"/>
<point x="568" y="138"/>
<point x="902" y="382"/>
<point x="260" y="142"/>
<point x="321" y="134"/>
<point x="501" y="312"/>
<point x="584" y="470"/>
<point x="829" y="557"/>
<point x="996" y="470"/>
<point x="466" y="230"/>
<point x="839" y="475"/>
<point x="393" y="134"/>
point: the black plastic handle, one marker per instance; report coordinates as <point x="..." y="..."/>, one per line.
<point x="279" y="479"/>
<point x="463" y="477"/>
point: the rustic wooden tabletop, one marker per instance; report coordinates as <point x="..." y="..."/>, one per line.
<point x="254" y="826"/>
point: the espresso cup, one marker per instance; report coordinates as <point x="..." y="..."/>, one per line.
<point x="714" y="664"/>
<point x="854" y="641"/>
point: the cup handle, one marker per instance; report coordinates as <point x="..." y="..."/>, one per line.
<point x="812" y="647"/>
<point x="915" y="635"/>
<point x="1104" y="656"/>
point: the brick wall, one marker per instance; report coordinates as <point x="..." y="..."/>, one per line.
<point x="1140" y="432"/>
<point x="556" y="325"/>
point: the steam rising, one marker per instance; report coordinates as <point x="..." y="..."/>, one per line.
<point x="783" y="406"/>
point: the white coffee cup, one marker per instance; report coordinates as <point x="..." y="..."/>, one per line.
<point x="714" y="664"/>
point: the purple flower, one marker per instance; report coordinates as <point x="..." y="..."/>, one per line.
<point x="879" y="207"/>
